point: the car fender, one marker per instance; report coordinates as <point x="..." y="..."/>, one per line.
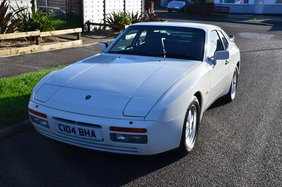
<point x="173" y="104"/>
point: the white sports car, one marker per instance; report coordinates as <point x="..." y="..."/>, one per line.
<point x="144" y="94"/>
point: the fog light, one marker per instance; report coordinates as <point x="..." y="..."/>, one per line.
<point x="128" y="138"/>
<point x="39" y="121"/>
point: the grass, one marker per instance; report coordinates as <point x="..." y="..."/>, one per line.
<point x="58" y="22"/>
<point x="70" y="22"/>
<point x="14" y="96"/>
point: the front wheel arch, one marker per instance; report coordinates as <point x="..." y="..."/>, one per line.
<point x="190" y="126"/>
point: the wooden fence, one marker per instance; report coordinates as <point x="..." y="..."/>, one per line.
<point x="38" y="45"/>
<point x="104" y="26"/>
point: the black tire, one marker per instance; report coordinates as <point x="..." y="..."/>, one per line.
<point x="191" y="121"/>
<point x="233" y="86"/>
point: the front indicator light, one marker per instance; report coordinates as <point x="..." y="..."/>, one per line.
<point x="128" y="138"/>
<point x="38" y="118"/>
<point x="37" y="113"/>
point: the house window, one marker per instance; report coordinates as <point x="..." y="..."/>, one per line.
<point x="236" y="1"/>
<point x="229" y="1"/>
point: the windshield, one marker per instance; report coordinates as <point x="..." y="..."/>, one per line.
<point x="161" y="41"/>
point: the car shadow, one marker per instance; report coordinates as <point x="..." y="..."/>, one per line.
<point x="98" y="167"/>
<point x="51" y="163"/>
<point x="218" y="103"/>
<point x="276" y="24"/>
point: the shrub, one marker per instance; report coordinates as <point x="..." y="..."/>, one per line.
<point x="150" y="16"/>
<point x="8" y="21"/>
<point x="35" y="20"/>
<point x="117" y="21"/>
<point x="135" y="17"/>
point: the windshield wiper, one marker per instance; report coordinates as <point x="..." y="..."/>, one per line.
<point x="128" y="52"/>
<point x="180" y="56"/>
<point x="170" y="55"/>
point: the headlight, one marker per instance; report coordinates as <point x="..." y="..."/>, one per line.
<point x="41" y="83"/>
<point x="45" y="92"/>
<point x="139" y="106"/>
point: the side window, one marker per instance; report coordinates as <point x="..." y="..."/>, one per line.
<point x="215" y="44"/>
<point x="143" y="35"/>
<point x="127" y="40"/>
<point x="141" y="40"/>
<point x="224" y="40"/>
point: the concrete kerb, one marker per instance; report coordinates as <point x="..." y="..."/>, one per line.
<point x="267" y="20"/>
<point x="13" y="129"/>
<point x="259" y="22"/>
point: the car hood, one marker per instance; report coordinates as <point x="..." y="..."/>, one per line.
<point x="105" y="84"/>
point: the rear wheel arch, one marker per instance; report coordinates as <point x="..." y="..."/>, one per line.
<point x="199" y="97"/>
<point x="230" y="96"/>
<point x="238" y="66"/>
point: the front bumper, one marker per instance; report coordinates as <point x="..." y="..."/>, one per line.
<point x="160" y="137"/>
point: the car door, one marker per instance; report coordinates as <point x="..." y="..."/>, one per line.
<point x="219" y="69"/>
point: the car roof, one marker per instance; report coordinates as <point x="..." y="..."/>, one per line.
<point x="202" y="26"/>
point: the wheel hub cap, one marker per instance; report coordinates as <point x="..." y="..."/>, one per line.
<point x="191" y="123"/>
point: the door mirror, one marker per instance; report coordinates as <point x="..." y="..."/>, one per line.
<point x="221" y="55"/>
<point x="231" y="38"/>
<point x="102" y="46"/>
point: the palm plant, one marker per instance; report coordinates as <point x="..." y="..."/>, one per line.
<point x="117" y="21"/>
<point x="35" y="20"/>
<point x="8" y="19"/>
<point x="135" y="17"/>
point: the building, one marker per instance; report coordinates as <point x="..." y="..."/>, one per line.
<point x="93" y="10"/>
<point x="252" y="6"/>
<point x="158" y="3"/>
<point x="239" y="6"/>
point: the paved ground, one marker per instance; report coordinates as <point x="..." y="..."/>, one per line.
<point x="15" y="65"/>
<point x="235" y="18"/>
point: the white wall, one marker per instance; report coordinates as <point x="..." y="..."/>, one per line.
<point x="94" y="9"/>
<point x="133" y="5"/>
